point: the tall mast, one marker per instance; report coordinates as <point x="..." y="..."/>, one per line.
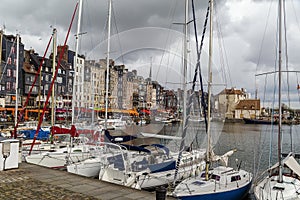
<point x="184" y="127"/>
<point x="185" y="52"/>
<point x="75" y="60"/>
<point x="53" y="74"/>
<point x="107" y="62"/>
<point x="17" y="80"/>
<point x="208" y="153"/>
<point x="280" y="179"/>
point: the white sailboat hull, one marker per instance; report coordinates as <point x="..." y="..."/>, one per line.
<point x="88" y="168"/>
<point x="270" y="188"/>
<point x="153" y="180"/>
<point x="55" y="160"/>
<point x="224" y="183"/>
<point x="59" y="158"/>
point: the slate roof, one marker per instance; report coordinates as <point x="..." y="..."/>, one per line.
<point x="248" y="104"/>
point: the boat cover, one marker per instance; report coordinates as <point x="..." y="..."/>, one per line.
<point x="289" y="162"/>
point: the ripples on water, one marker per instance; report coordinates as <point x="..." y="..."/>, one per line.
<point x="252" y="142"/>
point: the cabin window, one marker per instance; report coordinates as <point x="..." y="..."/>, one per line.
<point x="278" y="188"/>
<point x="212" y="176"/>
<point x="235" y="178"/>
<point x="215" y="177"/>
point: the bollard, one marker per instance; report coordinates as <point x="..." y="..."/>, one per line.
<point x="161" y="193"/>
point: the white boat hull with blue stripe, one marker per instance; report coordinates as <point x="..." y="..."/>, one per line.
<point x="224" y="183"/>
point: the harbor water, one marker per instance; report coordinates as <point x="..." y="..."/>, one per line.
<point x="255" y="144"/>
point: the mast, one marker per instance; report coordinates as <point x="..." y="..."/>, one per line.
<point x="107" y="62"/>
<point x="53" y="76"/>
<point x="185" y="120"/>
<point x="75" y="60"/>
<point x="17" y="80"/>
<point x="280" y="179"/>
<point x="93" y="99"/>
<point x="185" y="52"/>
<point x="209" y="151"/>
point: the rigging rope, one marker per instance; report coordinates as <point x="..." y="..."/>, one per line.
<point x="223" y="57"/>
<point x="30" y="91"/>
<point x="261" y="47"/>
<point x="287" y="74"/>
<point x="182" y="145"/>
<point x="171" y="12"/>
<point x="53" y="80"/>
<point x="118" y="35"/>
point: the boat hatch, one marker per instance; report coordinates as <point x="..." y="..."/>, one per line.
<point x="198" y="183"/>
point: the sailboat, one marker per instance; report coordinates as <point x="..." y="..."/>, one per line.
<point x="220" y="182"/>
<point x="74" y="152"/>
<point x="282" y="181"/>
<point x="146" y="166"/>
<point x="90" y="167"/>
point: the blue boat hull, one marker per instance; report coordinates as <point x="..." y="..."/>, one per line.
<point x="237" y="194"/>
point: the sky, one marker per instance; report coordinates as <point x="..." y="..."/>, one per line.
<point x="148" y="34"/>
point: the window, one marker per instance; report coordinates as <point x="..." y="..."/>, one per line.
<point x="59" y="79"/>
<point x="9" y="60"/>
<point x="215" y="177"/>
<point x="12" y="50"/>
<point x="14" y="73"/>
<point x="9" y="72"/>
<point x="8" y="85"/>
<point x="235" y="178"/>
<point x="34" y="89"/>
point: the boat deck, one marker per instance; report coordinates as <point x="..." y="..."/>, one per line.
<point x="35" y="182"/>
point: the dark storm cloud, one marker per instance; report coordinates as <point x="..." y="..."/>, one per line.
<point x="240" y="25"/>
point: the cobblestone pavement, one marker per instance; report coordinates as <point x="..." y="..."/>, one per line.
<point x="16" y="184"/>
<point x="39" y="183"/>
